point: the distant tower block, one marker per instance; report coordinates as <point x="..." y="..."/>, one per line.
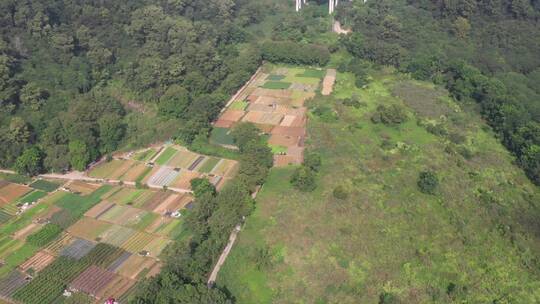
<point x="332" y="4"/>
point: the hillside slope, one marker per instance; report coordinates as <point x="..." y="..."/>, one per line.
<point x="474" y="240"/>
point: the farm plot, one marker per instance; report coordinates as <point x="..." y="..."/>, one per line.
<point x="5" y="216"/>
<point x="32" y="197"/>
<point x="82" y="188"/>
<point x="92" y="280"/>
<point x="116" y="235"/>
<point x="137" y="242"/>
<point x="44" y="185"/>
<point x="11" y="192"/>
<point x="163" y="177"/>
<point x="60" y="243"/>
<point x="239" y="105"/>
<point x="134" y="172"/>
<point x="144" y="221"/>
<point x="106" y="169"/>
<point x="183" y="181"/>
<point x="125" y="196"/>
<point x="165" y="156"/>
<point x="145" y="155"/>
<point x="276" y="85"/>
<point x="169" y="229"/>
<point x="37" y="262"/>
<point x="119" y="261"/>
<point x="116" y="288"/>
<point x="78" y="249"/>
<point x="183" y="159"/>
<point x="156" y="246"/>
<point x="208" y="165"/>
<point x="225" y="167"/>
<point x="173" y="203"/>
<point x="122" y="215"/>
<point x="99" y="209"/>
<point x="14" y="281"/>
<point x="136" y="266"/>
<point x="155" y="200"/>
<point x="89" y="228"/>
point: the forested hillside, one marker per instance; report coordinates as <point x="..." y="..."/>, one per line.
<point x="83" y="78"/>
<point x="487" y="53"/>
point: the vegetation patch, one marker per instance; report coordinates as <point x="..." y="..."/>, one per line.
<point x="166" y="155"/>
<point x="276" y="85"/>
<point x="221" y="136"/>
<point x="44" y="185"/>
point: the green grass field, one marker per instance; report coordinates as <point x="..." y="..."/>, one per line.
<point x="276" y="85"/>
<point x="474" y="241"/>
<point x="166" y="155"/>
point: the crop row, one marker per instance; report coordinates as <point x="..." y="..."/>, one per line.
<point x="53" y="279"/>
<point x="45" y="235"/>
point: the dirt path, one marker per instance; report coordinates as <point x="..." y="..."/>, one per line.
<point x="80" y="176"/>
<point x="227" y="250"/>
<point x="338" y="29"/>
<point x="224" y="255"/>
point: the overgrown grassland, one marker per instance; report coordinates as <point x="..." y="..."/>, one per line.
<point x="474" y="241"/>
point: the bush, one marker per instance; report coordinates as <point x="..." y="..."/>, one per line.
<point x="303" y="179"/>
<point x="340" y="192"/>
<point x="313" y="161"/>
<point x="389" y="115"/>
<point x="427" y="182"/>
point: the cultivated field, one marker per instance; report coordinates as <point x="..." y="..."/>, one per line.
<point x="474" y="241"/>
<point x="169" y="166"/>
<point x="95" y="240"/>
<point x="274" y="102"/>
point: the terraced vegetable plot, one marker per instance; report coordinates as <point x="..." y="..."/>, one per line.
<point x="275" y="103"/>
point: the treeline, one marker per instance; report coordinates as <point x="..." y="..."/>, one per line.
<point x="209" y="223"/>
<point x="295" y="53"/>
<point x="81" y="79"/>
<point x="499" y="74"/>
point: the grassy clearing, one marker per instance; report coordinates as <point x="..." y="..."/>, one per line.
<point x="473" y="241"/>
<point x="221" y="136"/>
<point x="166" y="155"/>
<point x="276" y="85"/>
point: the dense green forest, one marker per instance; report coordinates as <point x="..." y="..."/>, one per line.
<point x="80" y="79"/>
<point x="485" y="52"/>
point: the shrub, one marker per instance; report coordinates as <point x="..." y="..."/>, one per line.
<point x="340" y="192"/>
<point x="303" y="179"/>
<point x="313" y="161"/>
<point x="326" y="113"/>
<point x="427" y="182"/>
<point x="389" y="115"/>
